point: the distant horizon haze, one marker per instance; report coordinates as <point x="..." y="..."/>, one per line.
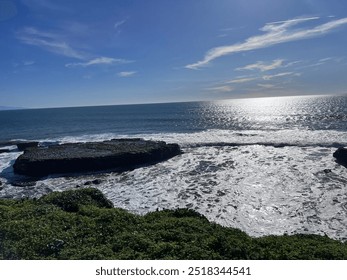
<point x="4" y="108"/>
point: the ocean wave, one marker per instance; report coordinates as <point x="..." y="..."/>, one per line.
<point x="219" y="137"/>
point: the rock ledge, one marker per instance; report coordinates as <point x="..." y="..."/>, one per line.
<point x="116" y="154"/>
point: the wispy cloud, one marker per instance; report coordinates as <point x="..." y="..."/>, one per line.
<point x="24" y="63"/>
<point x="48" y="41"/>
<point x="225" y="31"/>
<point x="293" y="63"/>
<point x="259" y="78"/>
<point x="118" y="24"/>
<point x="326" y="59"/>
<point x="319" y="62"/>
<point x="232" y="28"/>
<point x="99" y="61"/>
<point x="57" y="43"/>
<point x="221" y="89"/>
<point x="28" y="62"/>
<point x="240" y="80"/>
<point x="126" y="74"/>
<point x="275" y="33"/>
<point x="300" y="19"/>
<point x="332" y="59"/>
<point x="266" y="86"/>
<point x="254" y="83"/>
<point x="262" y="66"/>
<point x="270" y="77"/>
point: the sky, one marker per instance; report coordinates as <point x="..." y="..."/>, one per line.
<point x="62" y="53"/>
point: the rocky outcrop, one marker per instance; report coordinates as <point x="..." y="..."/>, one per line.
<point x="341" y="156"/>
<point x="24" y="145"/>
<point x="94" y="182"/>
<point x="23" y="183"/>
<point x="4" y="151"/>
<point x="116" y="154"/>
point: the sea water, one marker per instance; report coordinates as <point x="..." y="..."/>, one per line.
<point x="262" y="165"/>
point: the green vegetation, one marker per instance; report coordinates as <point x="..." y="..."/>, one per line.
<point x="83" y="224"/>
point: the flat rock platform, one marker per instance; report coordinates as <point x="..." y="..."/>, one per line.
<point x="113" y="155"/>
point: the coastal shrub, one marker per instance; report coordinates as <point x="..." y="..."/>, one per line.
<point x="176" y="213"/>
<point x="82" y="224"/>
<point x="71" y="200"/>
<point x="300" y="246"/>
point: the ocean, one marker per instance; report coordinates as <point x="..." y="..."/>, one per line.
<point x="262" y="165"/>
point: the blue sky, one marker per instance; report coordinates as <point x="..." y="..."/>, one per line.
<point x="57" y="53"/>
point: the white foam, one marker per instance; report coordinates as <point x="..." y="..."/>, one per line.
<point x="6" y="162"/>
<point x="217" y="136"/>
<point x="289" y="137"/>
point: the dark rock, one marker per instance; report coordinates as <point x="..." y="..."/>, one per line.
<point x="94" y="182"/>
<point x="341" y="156"/>
<point x="4" y="151"/>
<point x="24" y="183"/>
<point x="6" y="143"/>
<point x="97" y="182"/>
<point x="121" y="154"/>
<point x="279" y="145"/>
<point x="24" y="145"/>
<point x="327" y="171"/>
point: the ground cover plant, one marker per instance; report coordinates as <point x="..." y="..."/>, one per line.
<point x="83" y="224"/>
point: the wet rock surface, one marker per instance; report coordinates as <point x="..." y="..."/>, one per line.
<point x="22" y="146"/>
<point x="116" y="154"/>
<point x="94" y="182"/>
<point x="341" y="156"/>
<point x="23" y="183"/>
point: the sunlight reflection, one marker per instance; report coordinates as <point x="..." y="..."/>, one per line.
<point x="264" y="113"/>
